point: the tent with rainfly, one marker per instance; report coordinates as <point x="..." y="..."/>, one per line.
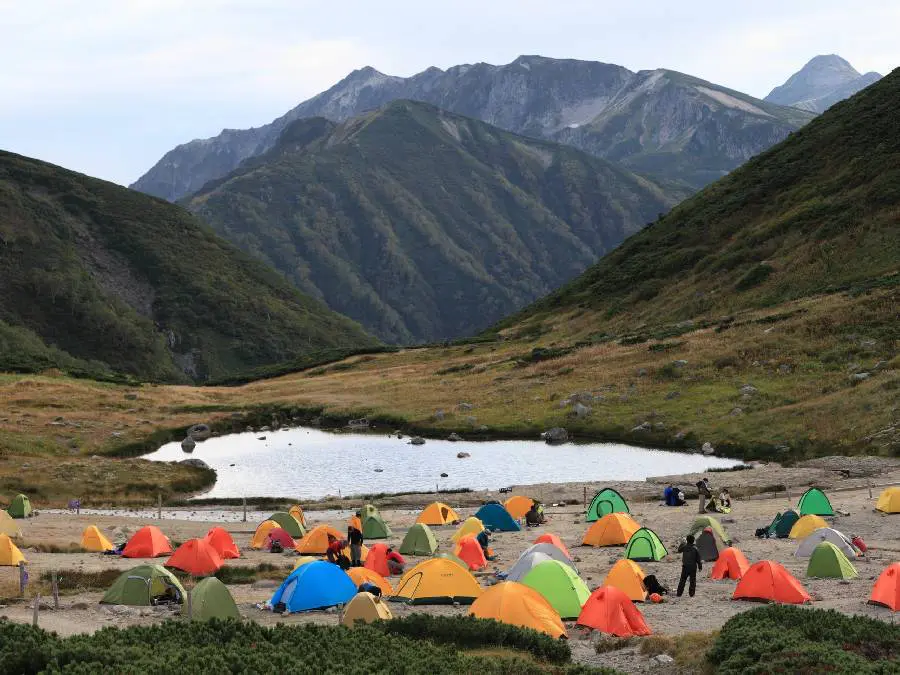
<point x="518" y="605"/>
<point x="613" y="529"/>
<point x="782" y="524"/>
<point x="197" y="557"/>
<point x="889" y="500"/>
<point x="437" y="581"/>
<point x="377" y="560"/>
<point x="363" y="575"/>
<point x="886" y="590"/>
<point x="606" y="501"/>
<point x="814" y="502"/>
<point x="438" y="513"/>
<point x="365" y="608"/>
<point x="419" y="540"/>
<point x="140" y="585"/>
<point x="708" y="545"/>
<point x="518" y="506"/>
<point x="260" y="537"/>
<point x="550" y="538"/>
<point x="8" y="526"/>
<point x="495" y="517"/>
<point x="373" y="525"/>
<point x="147" y="542"/>
<point x="211" y="599"/>
<point x="560" y="585"/>
<point x="314" y="586"/>
<point x="469" y="550"/>
<point x="223" y="543"/>
<point x="829" y="562"/>
<point x="609" y="610"/>
<point x="702" y="522"/>
<point x="471" y="525"/>
<point x="315" y="542"/>
<point x="628" y="577"/>
<point x="288" y="523"/>
<point x="20" y="507"/>
<point x="767" y="580"/>
<point x="534" y="555"/>
<point x="816" y="537"/>
<point x="644" y="546"/>
<point x="10" y="555"/>
<point x="93" y="540"/>
<point x="806" y="525"/>
<point x="732" y="564"/>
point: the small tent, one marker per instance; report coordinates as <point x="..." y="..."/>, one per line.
<point x="147" y="542"/>
<point x="258" y="542"/>
<point x="377" y="560"/>
<point x="211" y="599"/>
<point x="613" y="529"/>
<point x="471" y="525"/>
<point x="828" y="562"/>
<point x="438" y="513"/>
<point x="10" y="555"/>
<point x="606" y="501"/>
<point x="518" y="605"/>
<point x="20" y="507"/>
<point x="315" y="542"/>
<point x="702" y="522"/>
<point x="816" y="537"/>
<point x="197" y="557"/>
<point x="297" y="512"/>
<point x="889" y="500"/>
<point x="314" y="586"/>
<point x="806" y="525"/>
<point x="373" y="525"/>
<point x="363" y="575"/>
<point x="609" y="610"/>
<point x="365" y="608"/>
<point x="437" y="581"/>
<point x="469" y="551"/>
<point x="496" y="518"/>
<point x="886" y="590"/>
<point x="280" y="536"/>
<point x="550" y="538"/>
<point x="782" y="524"/>
<point x="93" y="540"/>
<point x="518" y="506"/>
<point x="645" y="545"/>
<point x="769" y="581"/>
<point x="814" y="502"/>
<point x="288" y="523"/>
<point x="223" y="543"/>
<point x="628" y="577"/>
<point x="707" y="545"/>
<point x="141" y="586"/>
<point x="8" y="526"/>
<point x="303" y="560"/>
<point x="419" y="540"/>
<point x="560" y="585"/>
<point x="732" y="564"/>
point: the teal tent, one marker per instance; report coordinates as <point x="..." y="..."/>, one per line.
<point x="495" y="517"/>
<point x="782" y="524"/>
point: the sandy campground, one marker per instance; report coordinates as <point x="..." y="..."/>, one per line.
<point x="711" y="607"/>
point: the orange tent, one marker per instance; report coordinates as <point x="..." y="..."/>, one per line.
<point x="377" y="560"/>
<point x="887" y="588"/>
<point x="613" y="529"/>
<point x="610" y="611"/>
<point x="628" y="577"/>
<point x="197" y="557"/>
<point x="316" y="540"/>
<point x="262" y="534"/>
<point x="732" y="564"/>
<point x="223" y="543"/>
<point x="556" y="541"/>
<point x="768" y="580"/>
<point x="470" y="552"/>
<point x="361" y="575"/>
<point x="518" y="605"/>
<point x="147" y="542"/>
<point x="518" y="506"/>
<point x="438" y="513"/>
<point x="297" y="512"/>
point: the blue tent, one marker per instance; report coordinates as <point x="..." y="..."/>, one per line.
<point x="313" y="586"/>
<point x="495" y="517"/>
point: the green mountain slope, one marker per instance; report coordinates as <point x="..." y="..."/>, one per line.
<point x="422" y="224"/>
<point x="97" y="279"/>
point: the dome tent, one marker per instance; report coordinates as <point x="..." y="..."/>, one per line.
<point x="8" y="526"/>
<point x="613" y="529"/>
<point x="437" y="581"/>
<point x="93" y="540"/>
<point x="316" y="540"/>
<point x="471" y="525"/>
<point x="816" y="537"/>
<point x="518" y="605"/>
<point x="288" y="523"/>
<point x="261" y="535"/>
<point x="373" y="525"/>
<point x="314" y="586"/>
<point x="147" y="542"/>
<point x="886" y="590"/>
<point x="732" y="564"/>
<point x="211" y="599"/>
<point x="702" y="522"/>
<point x="828" y="562"/>
<point x="560" y="585"/>
<point x="518" y="506"/>
<point x="140" y="585"/>
<point x="814" y="502"/>
<point x="609" y="610"/>
<point x="806" y="525"/>
<point x="606" y="501"/>
<point x="534" y="555"/>
<point x="768" y="580"/>
<point x="365" y="608"/>
<point x="782" y="524"/>
<point x="363" y="575"/>
<point x="496" y="518"/>
<point x="628" y="577"/>
<point x="889" y="500"/>
<point x="10" y="555"/>
<point x="419" y="540"/>
<point x="550" y="538"/>
<point x="644" y="546"/>
<point x="20" y="507"/>
<point x="223" y="543"/>
<point x="438" y="513"/>
<point x="197" y="557"/>
<point x="469" y="551"/>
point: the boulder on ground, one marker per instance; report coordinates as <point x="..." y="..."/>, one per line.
<point x="454" y="437"/>
<point x="200" y="432"/>
<point x="555" y="435"/>
<point x="581" y="410"/>
<point x="188" y="444"/>
<point x="708" y="449"/>
<point x="193" y="461"/>
<point x="417" y="440"/>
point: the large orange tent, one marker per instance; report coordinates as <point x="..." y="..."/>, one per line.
<point x="438" y="513"/>
<point x="518" y="605"/>
<point x="550" y="538"/>
<point x="262" y="533"/>
<point x="316" y="540"/>
<point x="610" y="611"/>
<point x="469" y="551"/>
<point x="887" y="588"/>
<point x="147" y="542"/>
<point x="768" y="580"/>
<point x="93" y="540"/>
<point x="223" y="543"/>
<point x="197" y="557"/>
<point x="377" y="560"/>
<point x="613" y="529"/>
<point x="628" y="577"/>
<point x="732" y="564"/>
<point x="362" y="575"/>
<point x="518" y="506"/>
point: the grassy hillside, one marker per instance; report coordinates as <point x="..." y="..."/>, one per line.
<point x="425" y="225"/>
<point x="98" y="280"/>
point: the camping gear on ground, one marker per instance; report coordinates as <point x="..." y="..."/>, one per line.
<point x="10" y="555"/>
<point x="829" y="562"/>
<point x="438" y="513"/>
<point x="549" y="538"/>
<point x="707" y="546"/>
<point x="223" y="543"/>
<point x="814" y="502"/>
<point x="497" y="519"/>
<point x="816" y="537"/>
<point x="437" y="581"/>
<point x="377" y="560"/>
<point x="518" y="506"/>
<point x="469" y="550"/>
<point x="768" y="580"/>
<point x="314" y="586"/>
<point x="365" y="608"/>
<point x="644" y="546"/>
<point x="297" y="512"/>
<point x="732" y="564"/>
<point x="613" y="529"/>
<point x="653" y="586"/>
<point x="288" y="523"/>
<point x="419" y="540"/>
<point x="518" y="605"/>
<point x="260" y="537"/>
<point x="197" y="557"/>
<point x="315" y="542"/>
<point x="701" y="522"/>
<point x="373" y="525"/>
<point x="628" y="577"/>
<point x="8" y="526"/>
<point x="889" y="500"/>
<point x="560" y="585"/>
<point x="211" y="599"/>
<point x="93" y="540"/>
<point x="781" y="525"/>
<point x="609" y="610"/>
<point x="279" y="540"/>
<point x="362" y="575"/>
<point x="606" y="501"/>
<point x="147" y="542"/>
<point x="20" y="507"/>
<point x="304" y="559"/>
<point x="886" y="590"/>
<point x="471" y="525"/>
<point x="143" y="586"/>
<point x="806" y="525"/>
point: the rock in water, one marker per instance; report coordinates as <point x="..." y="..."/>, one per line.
<point x="555" y="436"/>
<point x="193" y="461"/>
<point x="708" y="449"/>
<point x="445" y="475"/>
<point x="188" y="444"/>
<point x="462" y="455"/>
<point x="200" y="432"/>
<point x="454" y="437"/>
<point x="417" y="440"/>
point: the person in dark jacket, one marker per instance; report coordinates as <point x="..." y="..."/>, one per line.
<point x="690" y="563"/>
<point x="355" y="537"/>
<point x="704" y="493"/>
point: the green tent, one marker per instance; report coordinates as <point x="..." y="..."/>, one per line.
<point x="20" y="507"/>
<point x="702" y="522"/>
<point x="560" y="585"/>
<point x="828" y="561"/>
<point x="645" y="545"/>
<point x="373" y="525"/>
<point x="453" y="558"/>
<point x="604" y="502"/>
<point x="782" y="524"/>
<point x="419" y="541"/>
<point x="815" y="503"/>
<point x="289" y="524"/>
<point x="139" y="585"/>
<point x="210" y="599"/>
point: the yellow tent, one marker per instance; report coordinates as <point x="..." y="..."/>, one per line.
<point x="8" y="525"/>
<point x="438" y="513"/>
<point x="889" y="501"/>
<point x="613" y="529"/>
<point x="302" y="560"/>
<point x="259" y="537"/>
<point x="471" y="525"/>
<point x="365" y="608"/>
<point x="628" y="577"/>
<point x="10" y="554"/>
<point x="518" y="605"/>
<point x="518" y="506"/>
<point x="437" y="581"/>
<point x="297" y="512"/>
<point x="806" y="525"/>
<point x="93" y="540"/>
<point x="361" y="575"/>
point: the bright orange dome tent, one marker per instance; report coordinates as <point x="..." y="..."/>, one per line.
<point x="732" y="564"/>
<point x="549" y="538"/>
<point x="147" y="542"/>
<point x="610" y="611"/>
<point x="887" y="588"/>
<point x="470" y="552"/>
<point x="316" y="540"/>
<point x="438" y="513"/>
<point x="628" y="577"/>
<point x="197" y="557"/>
<point x="518" y="506"/>
<point x="768" y="580"/>
<point x="518" y="605"/>
<point x="223" y="543"/>
<point x="613" y="529"/>
<point x="362" y="575"/>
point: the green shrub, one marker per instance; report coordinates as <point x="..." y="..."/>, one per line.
<point x="754" y="277"/>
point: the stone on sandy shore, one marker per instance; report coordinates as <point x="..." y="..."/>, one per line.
<point x="462" y="455"/>
<point x="417" y="440"/>
<point x="708" y="448"/>
<point x="200" y="432"/>
<point x="555" y="435"/>
<point x="454" y="437"/>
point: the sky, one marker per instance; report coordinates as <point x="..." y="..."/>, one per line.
<point x="106" y="87"/>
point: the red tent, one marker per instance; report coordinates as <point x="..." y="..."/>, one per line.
<point x="470" y="552"/>
<point x="197" y="557"/>
<point x="609" y="610"/>
<point x="147" y="542"/>
<point x="556" y="541"/>
<point x="280" y="535"/>
<point x="768" y="580"/>
<point x="377" y="560"/>
<point x="223" y="543"/>
<point x="887" y="588"/>
<point x="732" y="564"/>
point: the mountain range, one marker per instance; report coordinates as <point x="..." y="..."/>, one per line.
<point x="821" y="83"/>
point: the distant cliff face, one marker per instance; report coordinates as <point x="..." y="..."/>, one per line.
<point x="821" y="83"/>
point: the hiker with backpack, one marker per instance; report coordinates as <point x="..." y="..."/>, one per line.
<point x="704" y="494"/>
<point x="691" y="561"/>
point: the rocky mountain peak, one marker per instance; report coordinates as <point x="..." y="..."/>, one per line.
<point x="822" y="82"/>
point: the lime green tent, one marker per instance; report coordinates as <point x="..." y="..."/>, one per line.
<point x="419" y="541"/>
<point x="828" y="561"/>
<point x="702" y="522"/>
<point x="210" y="599"/>
<point x="815" y="503"/>
<point x="288" y="523"/>
<point x="560" y="585"/>
<point x="604" y="502"/>
<point x="140" y="585"/>
<point x="20" y="507"/>
<point x="644" y="546"/>
<point x="373" y="525"/>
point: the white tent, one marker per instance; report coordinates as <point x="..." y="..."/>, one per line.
<point x="534" y="555"/>
<point x="808" y="545"/>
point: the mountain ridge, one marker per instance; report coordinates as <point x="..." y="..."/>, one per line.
<point x="822" y="82"/>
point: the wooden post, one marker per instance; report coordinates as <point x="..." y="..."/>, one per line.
<point x="159" y="505"/>
<point x="189" y="604"/>
<point x="54" y="585"/>
<point x="869" y="484"/>
<point x="584" y="497"/>
<point x="22" y="578"/>
<point x="787" y="489"/>
<point x="37" y="608"/>
<point x="244" y="501"/>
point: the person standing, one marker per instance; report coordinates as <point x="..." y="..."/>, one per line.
<point x="690" y="563"/>
<point x="704" y="494"/>
<point x="355" y="537"/>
